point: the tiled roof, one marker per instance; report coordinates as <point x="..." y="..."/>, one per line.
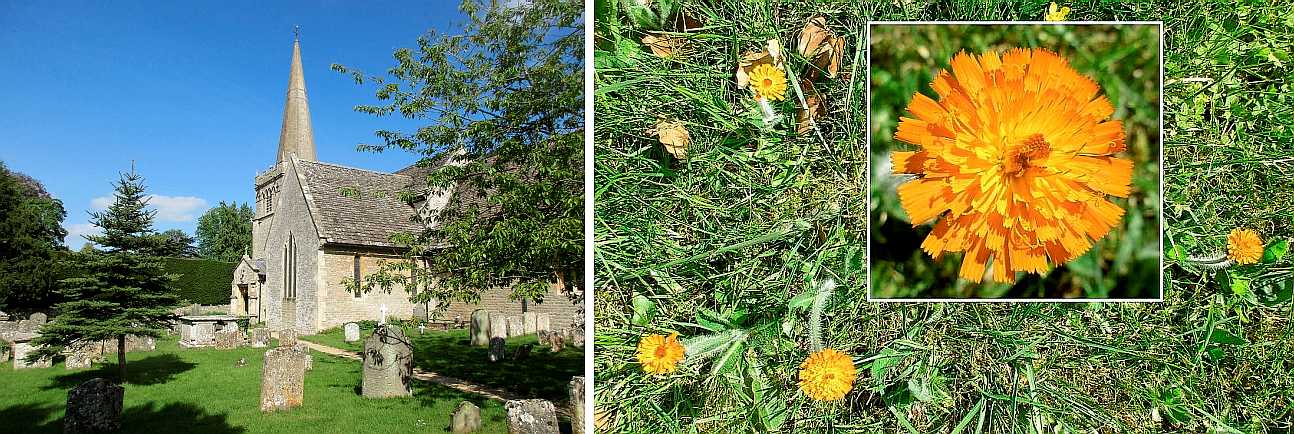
<point x="355" y="206"/>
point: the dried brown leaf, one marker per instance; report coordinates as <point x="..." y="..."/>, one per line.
<point x="772" y="55"/>
<point x="664" y="45"/>
<point x="809" y="115"/>
<point x="674" y="136"/>
<point x="821" y="46"/>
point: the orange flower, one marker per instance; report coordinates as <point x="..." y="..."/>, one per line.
<point x="827" y="375"/>
<point x="1015" y="160"/>
<point x="1244" y="246"/>
<point x="659" y="354"/>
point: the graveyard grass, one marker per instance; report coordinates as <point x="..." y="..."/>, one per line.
<point x="543" y="375"/>
<point x="174" y="390"/>
<point x="741" y="235"/>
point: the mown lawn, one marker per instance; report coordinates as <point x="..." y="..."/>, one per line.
<point x="175" y="390"/>
<point x="734" y="247"/>
<point x="542" y="375"/>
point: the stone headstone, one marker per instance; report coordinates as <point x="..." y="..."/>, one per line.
<point x="388" y="364"/>
<point x="557" y="343"/>
<point x="497" y="349"/>
<point x="576" y="393"/>
<point x="39" y="318"/>
<point x="229" y="339"/>
<point x="8" y="326"/>
<point x="260" y="337"/>
<point x="531" y="416"/>
<point x="498" y="325"/>
<point x="543" y="337"/>
<point x="230" y="326"/>
<point x="20" y="352"/>
<point x="195" y="309"/>
<point x="3" y="316"/>
<point x="529" y="322"/>
<point x="523" y="352"/>
<point x="466" y="418"/>
<point x="420" y="312"/>
<point x="287" y="337"/>
<point x="310" y="358"/>
<point x="576" y="336"/>
<point x="479" y="329"/>
<point x="543" y="323"/>
<point x="283" y="379"/>
<point x="515" y="326"/>
<point x="352" y="332"/>
<point x="81" y="356"/>
<point x="94" y="407"/>
<point x="26" y="326"/>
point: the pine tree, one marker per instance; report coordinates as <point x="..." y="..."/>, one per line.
<point x="124" y="291"/>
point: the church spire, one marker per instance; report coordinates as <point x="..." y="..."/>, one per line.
<point x="296" y="137"/>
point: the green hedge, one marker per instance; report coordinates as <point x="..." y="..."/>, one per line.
<point x="202" y="281"/>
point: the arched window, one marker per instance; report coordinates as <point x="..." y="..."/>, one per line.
<point x="358" y="276"/>
<point x="290" y="268"/>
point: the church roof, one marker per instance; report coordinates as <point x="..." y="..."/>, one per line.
<point x="355" y="206"/>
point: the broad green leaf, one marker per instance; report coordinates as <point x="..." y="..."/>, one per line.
<point x="1224" y="337"/>
<point x="1275" y="251"/>
<point x="1176" y="253"/>
<point x="712" y="320"/>
<point x="1239" y="284"/>
<point x="644" y="310"/>
<point x="881" y="366"/>
<point x="702" y="348"/>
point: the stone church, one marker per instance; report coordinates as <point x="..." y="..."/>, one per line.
<point x="318" y="223"/>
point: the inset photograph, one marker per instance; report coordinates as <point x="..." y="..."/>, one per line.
<point x="1015" y="161"/>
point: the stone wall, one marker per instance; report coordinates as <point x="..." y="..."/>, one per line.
<point x="341" y="306"/>
<point x="558" y="306"/>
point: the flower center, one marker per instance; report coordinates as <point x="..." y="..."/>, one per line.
<point x="768" y="82"/>
<point x="660" y="351"/>
<point x="1027" y="154"/>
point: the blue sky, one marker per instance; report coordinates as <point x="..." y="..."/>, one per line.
<point x="191" y="91"/>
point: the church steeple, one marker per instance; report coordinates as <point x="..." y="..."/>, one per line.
<point x="296" y="137"/>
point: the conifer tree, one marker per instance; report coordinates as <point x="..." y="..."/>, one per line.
<point x="124" y="291"/>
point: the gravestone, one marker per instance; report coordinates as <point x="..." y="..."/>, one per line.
<point x="466" y="418"/>
<point x="352" y="332"/>
<point x="497" y="349"/>
<point x="544" y="337"/>
<point x="523" y="352"/>
<point x="20" y="352"/>
<point x="260" y="337"/>
<point x="287" y="337"/>
<point x="575" y="336"/>
<point x="195" y="309"/>
<point x="576" y="393"/>
<point x="8" y="326"/>
<point x="388" y="364"/>
<point x="229" y="339"/>
<point x="94" y="407"/>
<point x="529" y="323"/>
<point x="26" y="326"/>
<point x="420" y="312"/>
<point x="81" y="356"/>
<point x="39" y="318"/>
<point x="197" y="335"/>
<point x="498" y="325"/>
<point x="556" y="343"/>
<point x="480" y="328"/>
<point x="3" y="316"/>
<point x="543" y="322"/>
<point x="283" y="379"/>
<point x="515" y="326"/>
<point x="531" y="416"/>
<point x="310" y="358"/>
<point x="230" y="326"/>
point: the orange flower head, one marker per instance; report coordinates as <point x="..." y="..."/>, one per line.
<point x="768" y="82"/>
<point x="659" y="354"/>
<point x="1015" y="160"/>
<point x="1244" y="246"/>
<point x="827" y="375"/>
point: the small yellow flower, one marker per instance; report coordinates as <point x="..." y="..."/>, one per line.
<point x="1244" y="246"/>
<point x="1056" y="13"/>
<point x="827" y="375"/>
<point x="659" y="354"/>
<point x="768" y="82"/>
